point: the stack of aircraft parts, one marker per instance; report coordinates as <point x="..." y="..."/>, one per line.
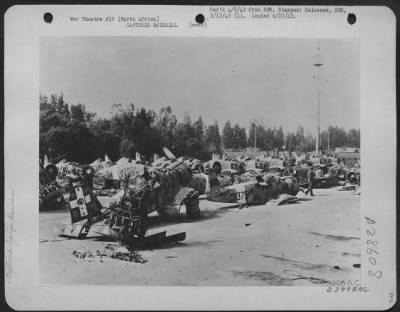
<point x="164" y="191"/>
<point x="126" y="222"/>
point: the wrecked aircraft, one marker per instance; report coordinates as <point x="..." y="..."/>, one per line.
<point x="255" y="192"/>
<point x="164" y="191"/>
<point x="224" y="163"/>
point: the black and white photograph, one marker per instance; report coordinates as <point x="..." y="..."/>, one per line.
<point x="200" y="157"/>
<point x="195" y="162"/>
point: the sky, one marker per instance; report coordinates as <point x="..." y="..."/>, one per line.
<point x="239" y="79"/>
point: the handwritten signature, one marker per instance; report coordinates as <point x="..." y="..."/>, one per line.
<point x="10" y="241"/>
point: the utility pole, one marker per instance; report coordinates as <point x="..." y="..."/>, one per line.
<point x="329" y="149"/>
<point x="255" y="137"/>
<point x="318" y="64"/>
<point x="256" y="123"/>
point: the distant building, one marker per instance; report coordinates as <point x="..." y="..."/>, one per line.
<point x="347" y="150"/>
<point x="350" y="157"/>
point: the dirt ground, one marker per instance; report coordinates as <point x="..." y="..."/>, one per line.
<point x="305" y="243"/>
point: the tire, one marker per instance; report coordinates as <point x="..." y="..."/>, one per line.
<point x="352" y="178"/>
<point x="333" y="172"/>
<point x="286" y="173"/>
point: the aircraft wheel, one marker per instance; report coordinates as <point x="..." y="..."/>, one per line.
<point x="286" y="172"/>
<point x="352" y="178"/>
<point x="333" y="172"/>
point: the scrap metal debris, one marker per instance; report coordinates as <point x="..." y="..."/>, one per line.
<point x="164" y="189"/>
<point x="349" y="188"/>
<point x="82" y="254"/>
<point x="121" y="253"/>
<point x="115" y="252"/>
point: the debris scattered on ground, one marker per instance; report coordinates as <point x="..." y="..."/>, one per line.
<point x="115" y="252"/>
<point x="122" y="253"/>
<point x="52" y="240"/>
<point x="268" y="277"/>
<point x="349" y="188"/>
<point x="82" y="254"/>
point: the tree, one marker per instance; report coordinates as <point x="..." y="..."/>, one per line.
<point x="127" y="148"/>
<point x="353" y="138"/>
<point x="239" y="138"/>
<point x="278" y="139"/>
<point x="185" y="136"/>
<point x="213" y="138"/>
<point x="166" y="124"/>
<point x="59" y="141"/>
<point x="72" y="131"/>
<point x="337" y="137"/>
<point x="199" y="144"/>
<point x="291" y="142"/>
<point x="79" y="113"/>
<point x="242" y="138"/>
<point x="227" y="135"/>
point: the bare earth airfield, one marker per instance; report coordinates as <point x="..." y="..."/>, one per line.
<point x="306" y="243"/>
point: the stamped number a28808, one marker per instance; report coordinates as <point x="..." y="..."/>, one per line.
<point x="372" y="249"/>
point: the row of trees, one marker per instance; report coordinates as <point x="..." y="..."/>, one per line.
<point x="72" y="132"/>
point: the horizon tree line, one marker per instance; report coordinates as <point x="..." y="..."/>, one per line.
<point x="72" y="132"/>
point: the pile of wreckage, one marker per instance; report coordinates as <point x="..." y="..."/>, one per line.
<point x="135" y="188"/>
